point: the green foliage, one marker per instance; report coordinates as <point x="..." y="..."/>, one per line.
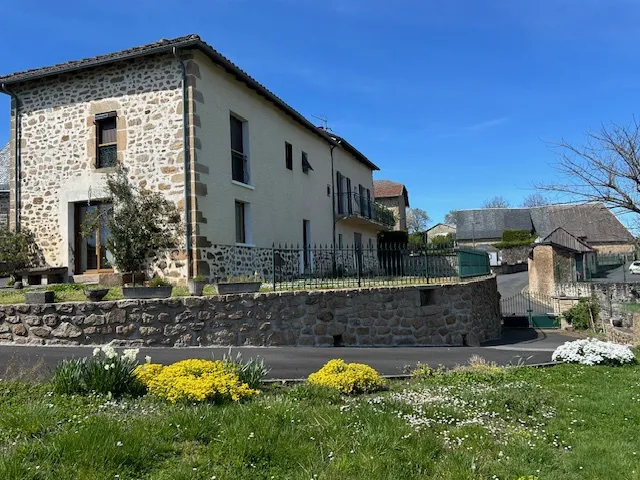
<point x="140" y="221"/>
<point x="105" y="372"/>
<point x="515" y="238"/>
<point x="416" y="239"/>
<point x="443" y="241"/>
<point x="159" y="282"/>
<point x="252" y="371"/>
<point x="199" y="278"/>
<point x="584" y="314"/>
<point x="18" y="250"/>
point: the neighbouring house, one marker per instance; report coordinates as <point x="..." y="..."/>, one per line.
<point x="4" y="186"/>
<point x="441" y="230"/>
<point x="560" y="257"/>
<point x="592" y="223"/>
<point x="244" y="167"/>
<point x="395" y="197"/>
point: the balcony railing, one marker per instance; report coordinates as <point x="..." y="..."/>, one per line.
<point x="240" y="167"/>
<point x="354" y="204"/>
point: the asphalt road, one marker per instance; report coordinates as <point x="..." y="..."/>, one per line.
<point x="618" y="275"/>
<point x="512" y="283"/>
<point x="524" y="346"/>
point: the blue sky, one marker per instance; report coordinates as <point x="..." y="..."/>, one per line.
<point x="455" y="99"/>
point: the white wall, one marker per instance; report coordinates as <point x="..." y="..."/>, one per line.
<point x="280" y="198"/>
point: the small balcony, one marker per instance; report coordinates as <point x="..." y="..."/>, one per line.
<point x="353" y="206"/>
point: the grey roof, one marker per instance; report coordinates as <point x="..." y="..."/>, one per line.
<point x="4" y="168"/>
<point x="489" y="223"/>
<point x="192" y="41"/>
<point x="591" y="222"/>
<point x="563" y="239"/>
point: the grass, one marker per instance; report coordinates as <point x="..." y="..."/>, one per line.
<point x="566" y="422"/>
<point x="632" y="307"/>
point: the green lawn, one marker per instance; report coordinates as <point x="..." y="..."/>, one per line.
<point x="632" y="307"/>
<point x="566" y="422"/>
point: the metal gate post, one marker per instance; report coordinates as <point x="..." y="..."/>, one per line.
<point x="530" y="310"/>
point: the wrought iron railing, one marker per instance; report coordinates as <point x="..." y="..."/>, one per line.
<point x="352" y="203"/>
<point x="295" y="267"/>
<point x="107" y="156"/>
<point x="240" y="167"/>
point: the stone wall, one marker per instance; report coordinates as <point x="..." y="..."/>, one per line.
<point x="464" y="313"/>
<point x="4" y="209"/>
<point x="515" y="255"/>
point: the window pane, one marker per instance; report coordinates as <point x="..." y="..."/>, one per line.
<point x="240" y="236"/>
<point x="107" y="156"/>
<point x="236" y="135"/>
<point x="288" y="155"/>
<point x="107" y="130"/>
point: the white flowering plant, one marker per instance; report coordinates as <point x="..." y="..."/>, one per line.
<point x="105" y="372"/>
<point x="591" y="351"/>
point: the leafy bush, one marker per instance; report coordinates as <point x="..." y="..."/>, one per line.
<point x="251" y="371"/>
<point x="516" y="235"/>
<point x="105" y="372"/>
<point x="194" y="380"/>
<point x="593" y="352"/>
<point x="18" y="250"/>
<point x="349" y="378"/>
<point x="584" y="314"/>
<point x="159" y="282"/>
<point x="199" y="278"/>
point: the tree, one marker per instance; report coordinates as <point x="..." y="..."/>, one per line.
<point x="18" y="250"/>
<point x="451" y="218"/>
<point x="417" y="220"/>
<point x="496" y="202"/>
<point x="535" y="200"/>
<point x="140" y="223"/>
<point x="605" y="168"/>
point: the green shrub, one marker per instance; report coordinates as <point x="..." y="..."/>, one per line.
<point x="159" y="282"/>
<point x="105" y="372"/>
<point x="251" y="371"/>
<point x="581" y="315"/>
<point x="516" y="235"/>
<point x="199" y="278"/>
<point x="18" y="250"/>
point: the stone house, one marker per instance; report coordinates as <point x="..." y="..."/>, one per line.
<point x="394" y="196"/>
<point x="441" y="230"/>
<point x="244" y="167"/>
<point x="592" y="223"/>
<point x="559" y="258"/>
<point x="4" y="186"/>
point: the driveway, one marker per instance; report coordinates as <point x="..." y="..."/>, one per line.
<point x="512" y="283"/>
<point x="617" y="275"/>
<point x="515" y="347"/>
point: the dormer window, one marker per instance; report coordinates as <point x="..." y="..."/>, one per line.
<point x="107" y="140"/>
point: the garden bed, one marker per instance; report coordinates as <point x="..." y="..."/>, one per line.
<point x="481" y="423"/>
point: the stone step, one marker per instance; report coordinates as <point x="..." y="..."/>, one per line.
<point x="88" y="278"/>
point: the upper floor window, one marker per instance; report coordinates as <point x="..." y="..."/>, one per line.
<point x="239" y="159"/>
<point x="288" y="155"/>
<point x="306" y="166"/>
<point x="107" y="140"/>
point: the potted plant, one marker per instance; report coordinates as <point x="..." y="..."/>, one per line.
<point x="95" y="294"/>
<point x="140" y="223"/>
<point x="158" y="287"/>
<point x="196" y="285"/>
<point x="242" y="284"/>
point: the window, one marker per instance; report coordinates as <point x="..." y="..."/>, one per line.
<point x="339" y="187"/>
<point x="107" y="144"/>
<point x="363" y="201"/>
<point x="288" y="155"/>
<point x="241" y="227"/>
<point x="239" y="160"/>
<point x="306" y="166"/>
<point x="369" y="203"/>
<point x="328" y="190"/>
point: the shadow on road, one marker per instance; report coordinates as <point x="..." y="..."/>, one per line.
<point x="517" y="335"/>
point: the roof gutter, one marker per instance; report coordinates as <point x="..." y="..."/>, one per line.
<point x="187" y="162"/>
<point x="17" y="155"/>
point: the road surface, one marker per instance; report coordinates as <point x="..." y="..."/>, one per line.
<point x="524" y="346"/>
<point x="512" y="283"/>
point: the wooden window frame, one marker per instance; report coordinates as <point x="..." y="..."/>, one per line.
<point x="99" y="119"/>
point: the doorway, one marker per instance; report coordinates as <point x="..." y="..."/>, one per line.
<point x="90" y="250"/>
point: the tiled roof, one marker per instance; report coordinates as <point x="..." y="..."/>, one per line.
<point x="4" y="168"/>
<point x="591" y="222"/>
<point x="185" y="42"/>
<point x="389" y="189"/>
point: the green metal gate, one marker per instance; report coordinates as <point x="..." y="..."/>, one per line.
<point x="535" y="308"/>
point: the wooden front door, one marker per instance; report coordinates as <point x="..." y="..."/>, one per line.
<point x="90" y="251"/>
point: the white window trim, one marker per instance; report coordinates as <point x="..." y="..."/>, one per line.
<point x="243" y="185"/>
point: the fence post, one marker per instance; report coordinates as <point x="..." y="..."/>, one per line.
<point x="426" y="263"/>
<point x="273" y="265"/>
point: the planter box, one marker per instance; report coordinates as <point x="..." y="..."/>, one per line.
<point x="196" y="288"/>
<point x="242" y="287"/>
<point x="146" y="292"/>
<point x="96" y="295"/>
<point x="38" y="297"/>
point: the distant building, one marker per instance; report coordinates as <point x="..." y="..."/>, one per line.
<point x="4" y="185"/>
<point x="395" y="197"/>
<point x="441" y="230"/>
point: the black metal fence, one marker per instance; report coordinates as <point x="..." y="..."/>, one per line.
<point x="316" y="267"/>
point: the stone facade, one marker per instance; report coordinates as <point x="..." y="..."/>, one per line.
<point x="465" y="313"/>
<point x="4" y="209"/>
<point x="58" y="145"/>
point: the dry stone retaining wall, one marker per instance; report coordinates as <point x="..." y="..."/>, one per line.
<point x="409" y="315"/>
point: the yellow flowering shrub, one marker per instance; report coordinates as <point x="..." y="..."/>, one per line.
<point x="347" y="377"/>
<point x="194" y="380"/>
